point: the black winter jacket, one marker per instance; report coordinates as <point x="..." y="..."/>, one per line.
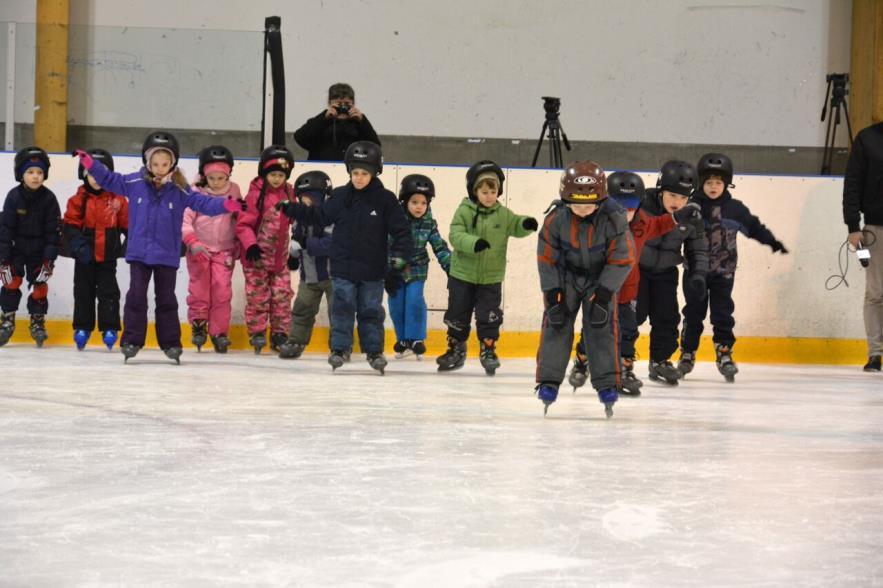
<point x="326" y="139"/>
<point x="30" y="225"/>
<point x="735" y="218"/>
<point x="664" y="252"/>
<point x="863" y="181"/>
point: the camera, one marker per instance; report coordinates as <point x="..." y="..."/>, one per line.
<point x="551" y="104"/>
<point x="343" y="108"/>
<point x="864" y="256"/>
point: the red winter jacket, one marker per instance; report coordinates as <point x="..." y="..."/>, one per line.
<point x="644" y="227"/>
<point x="101" y="220"/>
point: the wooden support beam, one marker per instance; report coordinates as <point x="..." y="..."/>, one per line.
<point x="50" y="92"/>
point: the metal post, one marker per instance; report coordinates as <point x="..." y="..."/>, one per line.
<point x="10" y="87"/>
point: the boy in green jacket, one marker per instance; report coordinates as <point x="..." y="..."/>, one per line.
<point x="480" y="233"/>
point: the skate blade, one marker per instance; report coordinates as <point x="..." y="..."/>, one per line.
<point x="608" y="410"/>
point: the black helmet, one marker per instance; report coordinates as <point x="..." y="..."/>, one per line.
<point x="364" y="155"/>
<point x="163" y="140"/>
<point x="626" y="187"/>
<point x="98" y="155"/>
<point x="678" y="177"/>
<point x="313" y="180"/>
<point x="30" y="154"/>
<point x="477" y="169"/>
<point x="276" y="158"/>
<point x="213" y="154"/>
<point x="416" y="184"/>
<point x="715" y="164"/>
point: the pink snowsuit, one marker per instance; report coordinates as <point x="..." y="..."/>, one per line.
<point x="268" y="291"/>
<point x="210" y="291"/>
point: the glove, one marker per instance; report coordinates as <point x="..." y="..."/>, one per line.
<point x="392" y="282"/>
<point x="688" y="212"/>
<point x="295" y="248"/>
<point x="778" y="247"/>
<point x="529" y="224"/>
<point x="198" y="248"/>
<point x="290" y="209"/>
<point x="84" y="254"/>
<point x="293" y="263"/>
<point x="234" y="205"/>
<point x="599" y="314"/>
<point x="556" y="311"/>
<point x="45" y="272"/>
<point x="85" y="158"/>
<point x="397" y="263"/>
<point x="253" y="253"/>
<point x="481" y="245"/>
<point x="697" y="284"/>
<point x="6" y="275"/>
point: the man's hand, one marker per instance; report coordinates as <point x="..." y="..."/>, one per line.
<point x="356" y="113"/>
<point x="855" y="239"/>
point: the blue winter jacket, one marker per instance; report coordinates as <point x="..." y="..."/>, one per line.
<point x="155" y="216"/>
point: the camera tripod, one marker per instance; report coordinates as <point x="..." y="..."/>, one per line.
<point x="837" y="90"/>
<point x="552" y="106"/>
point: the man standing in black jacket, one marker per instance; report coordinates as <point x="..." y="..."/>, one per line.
<point x="863" y="195"/>
<point x="327" y="135"/>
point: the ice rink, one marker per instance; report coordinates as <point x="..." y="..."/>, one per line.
<point x="244" y="470"/>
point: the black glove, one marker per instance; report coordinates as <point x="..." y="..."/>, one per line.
<point x="83" y="254"/>
<point x="293" y="210"/>
<point x="293" y="263"/>
<point x="778" y="247"/>
<point x="253" y="253"/>
<point x="688" y="212"/>
<point x="599" y="314"/>
<point x="392" y="282"/>
<point x="481" y="245"/>
<point x="556" y="310"/>
<point x="696" y="282"/>
<point x="529" y="224"/>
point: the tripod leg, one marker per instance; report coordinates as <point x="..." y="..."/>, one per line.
<point x="848" y="124"/>
<point x="536" y="154"/>
<point x="829" y="147"/>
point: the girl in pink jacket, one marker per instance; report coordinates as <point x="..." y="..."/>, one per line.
<point x="211" y="253"/>
<point x="264" y="234"/>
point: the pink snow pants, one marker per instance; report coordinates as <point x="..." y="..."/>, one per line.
<point x="211" y="290"/>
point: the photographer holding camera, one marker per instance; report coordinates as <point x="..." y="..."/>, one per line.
<point x="863" y="195"/>
<point x="327" y="135"/>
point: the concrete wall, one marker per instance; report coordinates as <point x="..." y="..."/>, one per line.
<point x="776" y="296"/>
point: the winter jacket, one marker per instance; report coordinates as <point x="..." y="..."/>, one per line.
<point x="155" y="215"/>
<point x="268" y="228"/>
<point x="363" y="220"/>
<point x="217" y="233"/>
<point x="96" y="222"/>
<point x="595" y="251"/>
<point x="663" y="253"/>
<point x="425" y="230"/>
<point x="863" y="180"/>
<point x="724" y="218"/>
<point x="643" y="227"/>
<point x="30" y="226"/>
<point x="495" y="225"/>
<point x="315" y="244"/>
<point x="326" y="139"/>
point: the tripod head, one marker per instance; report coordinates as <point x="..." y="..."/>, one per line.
<point x="836" y="90"/>
<point x="552" y="106"/>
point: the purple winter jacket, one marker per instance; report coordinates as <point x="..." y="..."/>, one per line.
<point x="155" y="216"/>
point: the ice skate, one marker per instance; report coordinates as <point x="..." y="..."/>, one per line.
<point x="686" y="363"/>
<point x="578" y="373"/>
<point x="336" y="359"/>
<point x="81" y="337"/>
<point x="174" y="353"/>
<point x="454" y="357"/>
<point x="38" y="329"/>
<point x="291" y="350"/>
<point x="419" y="348"/>
<point x="548" y="393"/>
<point x="873" y="364"/>
<point x="199" y="334"/>
<point x="258" y="341"/>
<point x="109" y="338"/>
<point x="488" y="356"/>
<point x="129" y="351"/>
<point x="608" y="398"/>
<point x="725" y="364"/>
<point x="220" y="343"/>
<point x="276" y="341"/>
<point x="377" y="362"/>
<point x="631" y="385"/>
<point x="664" y="371"/>
<point x="402" y="349"/>
<point x="7" y="327"/>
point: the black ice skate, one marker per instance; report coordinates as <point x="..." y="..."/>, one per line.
<point x="873" y="364"/>
<point x="336" y="359"/>
<point x="129" y="351"/>
<point x="199" y="333"/>
<point x="291" y="350"/>
<point x="38" y="329"/>
<point x="725" y="364"/>
<point x="631" y="385"/>
<point x="220" y="343"/>
<point x="258" y="341"/>
<point x="377" y="362"/>
<point x="419" y="348"/>
<point x="488" y="356"/>
<point x="664" y="371"/>
<point x="578" y="375"/>
<point x="686" y="363"/>
<point x="174" y="353"/>
<point x="276" y="341"/>
<point x="454" y="357"/>
<point x="402" y="349"/>
<point x="7" y="327"/>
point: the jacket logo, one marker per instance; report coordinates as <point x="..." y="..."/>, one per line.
<point x="585" y="180"/>
<point x="171" y="207"/>
<point x="373" y="213"/>
<point x="21" y="210"/>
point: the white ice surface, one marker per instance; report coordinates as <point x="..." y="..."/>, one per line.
<point x="244" y="470"/>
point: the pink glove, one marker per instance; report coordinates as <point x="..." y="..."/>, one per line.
<point x="198" y="248"/>
<point x="85" y="158"/>
<point x="232" y="205"/>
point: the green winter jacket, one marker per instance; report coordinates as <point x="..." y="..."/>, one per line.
<point x="495" y="225"/>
